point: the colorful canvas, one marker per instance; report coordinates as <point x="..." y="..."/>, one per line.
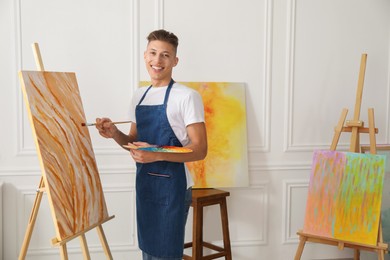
<point x="226" y="164"/>
<point x="65" y="152"/>
<point x="385" y="208"/>
<point x="160" y="149"/>
<point x="344" y="197"/>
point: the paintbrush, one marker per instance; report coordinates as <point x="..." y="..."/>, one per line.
<point x="115" y="123"/>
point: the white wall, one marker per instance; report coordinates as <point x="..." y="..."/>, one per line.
<point x="1" y="219"/>
<point x="299" y="59"/>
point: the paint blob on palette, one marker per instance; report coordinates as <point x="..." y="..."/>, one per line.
<point x="159" y="149"/>
<point x="344" y="196"/>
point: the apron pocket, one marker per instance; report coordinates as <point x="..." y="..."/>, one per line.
<point x="158" y="188"/>
<point x="159" y="175"/>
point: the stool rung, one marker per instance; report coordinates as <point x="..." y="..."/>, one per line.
<point x="221" y="251"/>
<point x="206" y="257"/>
<point x="213" y="247"/>
<point x="213" y="256"/>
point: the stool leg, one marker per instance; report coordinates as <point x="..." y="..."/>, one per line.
<point x="197" y="233"/>
<point x="225" y="230"/>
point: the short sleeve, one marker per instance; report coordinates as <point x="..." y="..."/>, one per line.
<point x="193" y="108"/>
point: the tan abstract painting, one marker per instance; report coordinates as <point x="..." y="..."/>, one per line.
<point x="65" y="151"/>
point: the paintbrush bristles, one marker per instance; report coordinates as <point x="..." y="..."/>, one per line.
<point x="87" y="124"/>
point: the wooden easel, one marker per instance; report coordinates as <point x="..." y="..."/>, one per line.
<point x="355" y="127"/>
<point x="37" y="202"/>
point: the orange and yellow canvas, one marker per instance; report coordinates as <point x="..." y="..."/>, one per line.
<point x="344" y="198"/>
<point x="226" y="164"/>
<point x="65" y="151"/>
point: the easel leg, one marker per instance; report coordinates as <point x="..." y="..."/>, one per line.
<point x="356" y="254"/>
<point x="355" y="141"/>
<point x="63" y="252"/>
<point x="103" y="240"/>
<point x="299" y="252"/>
<point x="84" y="247"/>
<point x="33" y="218"/>
<point x="381" y="255"/>
<point x="371" y="126"/>
<point x="338" y="129"/>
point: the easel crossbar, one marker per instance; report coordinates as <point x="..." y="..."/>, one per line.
<point x="364" y="130"/>
<point x="56" y="242"/>
<point x="335" y="242"/>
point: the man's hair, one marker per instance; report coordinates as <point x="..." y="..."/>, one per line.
<point x="165" y="36"/>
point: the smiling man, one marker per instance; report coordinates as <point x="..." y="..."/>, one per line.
<point x="165" y="113"/>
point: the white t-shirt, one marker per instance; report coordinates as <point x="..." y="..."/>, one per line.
<point x="185" y="107"/>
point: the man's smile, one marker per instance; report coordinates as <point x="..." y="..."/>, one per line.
<point x="157" y="68"/>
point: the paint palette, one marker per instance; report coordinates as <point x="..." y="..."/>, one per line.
<point x="159" y="149"/>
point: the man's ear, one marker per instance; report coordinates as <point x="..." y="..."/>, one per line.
<point x="176" y="61"/>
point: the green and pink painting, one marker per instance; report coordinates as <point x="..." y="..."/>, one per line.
<point x="344" y="197"/>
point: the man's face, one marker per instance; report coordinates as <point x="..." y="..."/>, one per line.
<point x="160" y="58"/>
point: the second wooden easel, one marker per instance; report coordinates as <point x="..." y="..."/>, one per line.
<point x="37" y="202"/>
<point x="355" y="127"/>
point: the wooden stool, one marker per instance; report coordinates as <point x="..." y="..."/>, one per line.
<point x="200" y="199"/>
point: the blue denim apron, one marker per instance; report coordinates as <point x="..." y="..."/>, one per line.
<point x="160" y="186"/>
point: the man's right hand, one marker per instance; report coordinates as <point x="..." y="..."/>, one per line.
<point x="106" y="128"/>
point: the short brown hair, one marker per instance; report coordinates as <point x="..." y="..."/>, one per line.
<point x="165" y="36"/>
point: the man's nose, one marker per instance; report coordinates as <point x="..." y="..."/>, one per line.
<point x="158" y="58"/>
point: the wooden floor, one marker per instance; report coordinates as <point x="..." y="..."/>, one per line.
<point x="335" y="259"/>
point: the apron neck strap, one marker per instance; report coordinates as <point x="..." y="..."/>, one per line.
<point x="166" y="93"/>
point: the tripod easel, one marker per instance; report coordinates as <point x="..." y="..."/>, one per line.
<point x="355" y="127"/>
<point x="41" y="189"/>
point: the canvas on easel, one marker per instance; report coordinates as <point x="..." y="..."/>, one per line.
<point x="340" y="220"/>
<point x="384" y="149"/>
<point x="66" y="155"/>
<point x="69" y="171"/>
<point x="344" y="197"/>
